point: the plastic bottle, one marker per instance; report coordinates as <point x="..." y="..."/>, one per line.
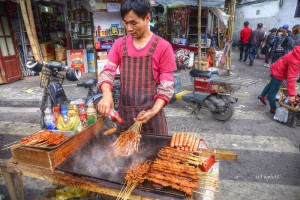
<point x="91" y="114"/>
<point x="83" y="115"/>
<point x="114" y="116"/>
<point x="49" y="120"/>
<point x="64" y="113"/>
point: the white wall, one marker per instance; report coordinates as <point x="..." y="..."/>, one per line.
<point x="270" y="15"/>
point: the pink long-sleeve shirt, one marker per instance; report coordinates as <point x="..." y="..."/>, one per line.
<point x="163" y="64"/>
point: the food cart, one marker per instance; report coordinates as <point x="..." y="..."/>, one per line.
<point x="85" y="161"/>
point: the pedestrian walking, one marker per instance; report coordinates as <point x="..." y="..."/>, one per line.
<point x="287" y="68"/>
<point x="291" y="40"/>
<point x="267" y="45"/>
<point x="256" y="38"/>
<point x="245" y="37"/>
<point x="286" y="28"/>
<point x="277" y="50"/>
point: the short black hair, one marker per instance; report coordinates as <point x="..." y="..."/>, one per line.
<point x="140" y="7"/>
<point x="259" y="25"/>
<point x="246" y="23"/>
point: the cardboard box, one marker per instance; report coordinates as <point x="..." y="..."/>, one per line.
<point x="47" y="48"/>
<point x="204" y="65"/>
<point x="52" y="158"/>
<point x="46" y="58"/>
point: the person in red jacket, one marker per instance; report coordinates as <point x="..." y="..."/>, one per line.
<point x="245" y="37"/>
<point x="287" y="68"/>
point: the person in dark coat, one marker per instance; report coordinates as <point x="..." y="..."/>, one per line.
<point x="290" y="41"/>
<point x="277" y="50"/>
<point x="268" y="44"/>
<point x="287" y="67"/>
<point x="256" y="38"/>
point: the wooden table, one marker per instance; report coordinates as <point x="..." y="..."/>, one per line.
<point x="13" y="175"/>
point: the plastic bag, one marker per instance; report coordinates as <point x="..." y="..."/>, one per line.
<point x="281" y="114"/>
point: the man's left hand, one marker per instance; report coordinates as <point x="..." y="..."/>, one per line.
<point x="145" y="116"/>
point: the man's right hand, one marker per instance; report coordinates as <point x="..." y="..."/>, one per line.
<point x="106" y="103"/>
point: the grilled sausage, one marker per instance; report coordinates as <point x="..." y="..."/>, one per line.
<point x="190" y="141"/>
<point x="172" y="144"/>
<point x="176" y="139"/>
<point x="196" y="144"/>
<point x="193" y="143"/>
<point x="186" y="140"/>
<point x="181" y="138"/>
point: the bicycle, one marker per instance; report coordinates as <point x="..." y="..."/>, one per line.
<point x="51" y="82"/>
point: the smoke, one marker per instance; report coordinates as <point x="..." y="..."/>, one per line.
<point x="97" y="160"/>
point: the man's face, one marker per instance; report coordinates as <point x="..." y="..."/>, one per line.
<point x="135" y="25"/>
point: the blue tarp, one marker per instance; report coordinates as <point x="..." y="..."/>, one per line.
<point x="205" y="3"/>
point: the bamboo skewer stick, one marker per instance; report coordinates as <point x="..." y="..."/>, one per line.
<point x="9" y="144"/>
<point x="208" y="189"/>
<point x="203" y="193"/>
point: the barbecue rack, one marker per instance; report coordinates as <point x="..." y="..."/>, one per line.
<point x="149" y="147"/>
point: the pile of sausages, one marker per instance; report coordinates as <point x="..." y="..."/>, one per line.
<point x="185" y="141"/>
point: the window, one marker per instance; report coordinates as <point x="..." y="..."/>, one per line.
<point x="257" y="12"/>
<point x="297" y="12"/>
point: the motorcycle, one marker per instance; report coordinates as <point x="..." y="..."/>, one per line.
<point x="208" y="91"/>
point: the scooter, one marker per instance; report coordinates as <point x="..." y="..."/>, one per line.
<point x="210" y="91"/>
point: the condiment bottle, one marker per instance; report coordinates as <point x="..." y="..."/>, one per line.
<point x="91" y="114"/>
<point x="56" y="112"/>
<point x="83" y="115"/>
<point x="114" y="116"/>
<point x="64" y="113"/>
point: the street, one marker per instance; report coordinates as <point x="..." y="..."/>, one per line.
<point x="268" y="164"/>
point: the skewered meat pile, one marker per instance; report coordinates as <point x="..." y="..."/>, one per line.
<point x="44" y="138"/>
<point x="128" y="142"/>
<point x="172" y="169"/>
<point x="135" y="175"/>
<point x="185" y="141"/>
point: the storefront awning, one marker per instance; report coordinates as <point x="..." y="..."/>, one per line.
<point x="213" y="3"/>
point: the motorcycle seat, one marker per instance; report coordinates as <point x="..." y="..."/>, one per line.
<point x="198" y="73"/>
<point x="88" y="83"/>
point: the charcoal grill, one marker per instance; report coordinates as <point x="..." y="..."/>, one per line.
<point x="96" y="161"/>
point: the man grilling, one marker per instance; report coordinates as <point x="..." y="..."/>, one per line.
<point x="146" y="64"/>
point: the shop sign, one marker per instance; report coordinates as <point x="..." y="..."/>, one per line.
<point x="78" y="59"/>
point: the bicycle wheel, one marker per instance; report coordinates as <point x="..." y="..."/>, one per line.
<point x="107" y="122"/>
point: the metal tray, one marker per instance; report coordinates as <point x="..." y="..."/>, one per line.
<point x="95" y="161"/>
<point x="68" y="133"/>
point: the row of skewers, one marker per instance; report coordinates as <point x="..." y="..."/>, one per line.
<point x="43" y="138"/>
<point x="179" y="170"/>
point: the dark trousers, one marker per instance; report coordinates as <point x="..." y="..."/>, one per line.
<point x="253" y="51"/>
<point x="244" y="48"/>
<point x="271" y="90"/>
<point x="267" y="57"/>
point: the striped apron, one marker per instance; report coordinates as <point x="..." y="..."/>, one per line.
<point x="138" y="88"/>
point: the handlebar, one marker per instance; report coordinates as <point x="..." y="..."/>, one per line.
<point x="53" y="65"/>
